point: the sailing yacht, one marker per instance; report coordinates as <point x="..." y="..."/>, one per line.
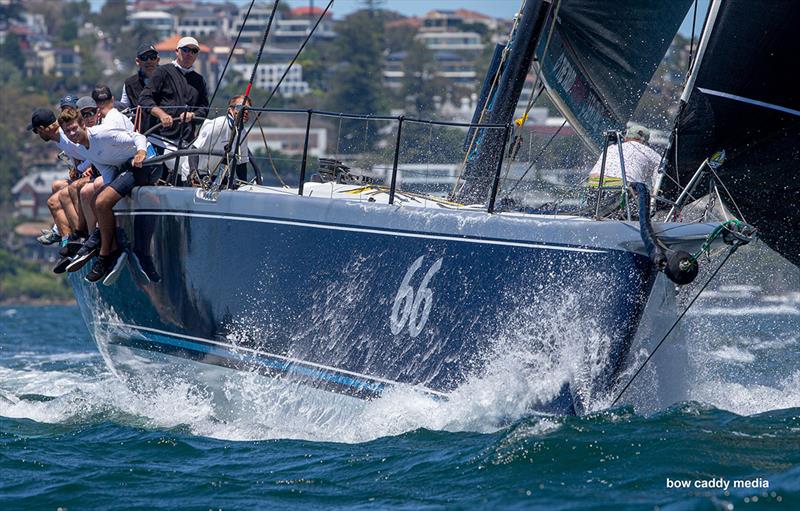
<point x="344" y="286"/>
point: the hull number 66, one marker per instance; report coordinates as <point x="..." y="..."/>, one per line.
<point x="407" y="303"/>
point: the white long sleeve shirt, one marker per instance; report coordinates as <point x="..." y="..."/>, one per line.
<point x="640" y="163"/>
<point x="110" y="148"/>
<point x="116" y="119"/>
<point x="214" y="134"/>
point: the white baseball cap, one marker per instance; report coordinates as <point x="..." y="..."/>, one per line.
<point x="188" y="41"/>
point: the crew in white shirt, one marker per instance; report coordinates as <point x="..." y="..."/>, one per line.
<point x="118" y="155"/>
<point x="640" y="160"/>
<point x="214" y="135"/>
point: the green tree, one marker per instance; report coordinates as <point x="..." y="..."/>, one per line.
<point x="112" y="17"/>
<point x="11" y="10"/>
<point x="69" y="31"/>
<point x="11" y="51"/>
<point x="399" y="37"/>
<point x="421" y="83"/>
<point x="15" y="110"/>
<point x="357" y="78"/>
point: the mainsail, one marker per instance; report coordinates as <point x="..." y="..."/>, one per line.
<point x="600" y="56"/>
<point x="742" y="97"/>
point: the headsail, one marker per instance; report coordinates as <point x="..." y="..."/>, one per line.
<point x="600" y="57"/>
<point x="742" y="97"/>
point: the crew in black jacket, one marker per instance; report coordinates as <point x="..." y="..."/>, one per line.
<point x="176" y="85"/>
<point x="147" y="60"/>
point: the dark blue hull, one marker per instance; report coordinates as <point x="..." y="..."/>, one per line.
<point x="329" y="300"/>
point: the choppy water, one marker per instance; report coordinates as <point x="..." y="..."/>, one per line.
<point x="72" y="436"/>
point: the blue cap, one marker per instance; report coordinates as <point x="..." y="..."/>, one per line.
<point x="68" y="100"/>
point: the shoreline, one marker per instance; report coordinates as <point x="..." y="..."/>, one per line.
<point x="34" y="302"/>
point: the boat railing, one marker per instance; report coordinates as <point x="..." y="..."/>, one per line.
<point x="396" y="153"/>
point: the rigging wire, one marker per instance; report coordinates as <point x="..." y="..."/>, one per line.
<point x="269" y="155"/>
<point x="230" y="54"/>
<point x="236" y="132"/>
<point x="489" y="97"/>
<point x="535" y="160"/>
<point x="691" y="43"/>
<point x="730" y="252"/>
<point x="294" y="59"/>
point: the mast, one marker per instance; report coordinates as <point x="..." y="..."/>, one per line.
<point x="500" y="107"/>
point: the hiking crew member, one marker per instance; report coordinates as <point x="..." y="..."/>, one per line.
<point x="115" y="153"/>
<point x="44" y="124"/>
<point x="109" y="117"/>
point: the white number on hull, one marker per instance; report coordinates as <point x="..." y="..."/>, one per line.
<point x="406" y="305"/>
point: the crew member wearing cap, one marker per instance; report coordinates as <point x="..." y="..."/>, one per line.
<point x="115" y="153"/>
<point x="640" y="160"/>
<point x="640" y="163"/>
<point x="44" y="124"/>
<point x="68" y="100"/>
<point x="147" y="60"/>
<point x="81" y="216"/>
<point x="108" y="113"/>
<point x="176" y="90"/>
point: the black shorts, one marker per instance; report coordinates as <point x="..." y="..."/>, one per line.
<point x="131" y="176"/>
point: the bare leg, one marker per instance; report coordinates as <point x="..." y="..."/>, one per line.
<point x="54" y="204"/>
<point x="104" y="207"/>
<point x="74" y="195"/>
<point x="58" y="184"/>
<point x="68" y="208"/>
<point x="99" y="186"/>
<point x="87" y="194"/>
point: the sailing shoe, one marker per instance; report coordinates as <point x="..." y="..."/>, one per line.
<point x="100" y="268"/>
<point x="71" y="247"/>
<point x="118" y="258"/>
<point x="49" y="237"/>
<point x="61" y="265"/>
<point x="89" y="249"/>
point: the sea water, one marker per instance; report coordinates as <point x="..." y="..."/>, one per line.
<point x="72" y="436"/>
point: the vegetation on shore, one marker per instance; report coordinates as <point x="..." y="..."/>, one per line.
<point x="26" y="282"/>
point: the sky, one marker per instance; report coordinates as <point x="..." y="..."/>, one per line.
<point x="497" y="8"/>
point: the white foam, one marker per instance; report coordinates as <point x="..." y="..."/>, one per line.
<point x="733" y="354"/>
<point x="745" y="311"/>
<point x="751" y="398"/>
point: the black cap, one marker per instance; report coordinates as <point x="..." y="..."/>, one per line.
<point x="42" y="117"/>
<point x="144" y="49"/>
<point x="101" y="93"/>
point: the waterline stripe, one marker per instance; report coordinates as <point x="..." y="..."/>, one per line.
<point x="360" y="229"/>
<point x="287" y="360"/>
<point x="749" y="101"/>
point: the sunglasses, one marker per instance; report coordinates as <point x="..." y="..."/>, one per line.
<point x="186" y="49"/>
<point x="89" y="112"/>
<point x="145" y="58"/>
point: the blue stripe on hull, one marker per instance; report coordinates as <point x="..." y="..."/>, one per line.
<point x="262" y="363"/>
